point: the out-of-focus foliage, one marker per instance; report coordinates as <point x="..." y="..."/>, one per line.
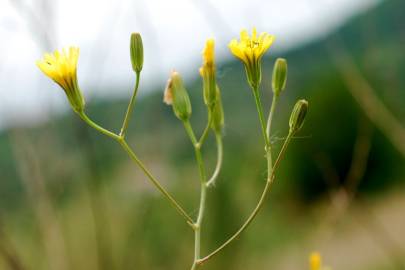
<point x="83" y="170"/>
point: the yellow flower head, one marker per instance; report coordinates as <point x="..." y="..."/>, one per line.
<point x="62" y="68"/>
<point x="207" y="71"/>
<point x="250" y="50"/>
<point x="315" y="261"/>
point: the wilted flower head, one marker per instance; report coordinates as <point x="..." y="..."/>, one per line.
<point x="62" y="68"/>
<point x="250" y="51"/>
<point x="176" y="95"/>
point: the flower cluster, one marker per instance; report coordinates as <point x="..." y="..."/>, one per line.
<point x="61" y="67"/>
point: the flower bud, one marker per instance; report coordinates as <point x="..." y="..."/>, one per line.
<point x="207" y="72"/>
<point x="176" y="95"/>
<point x="298" y="115"/>
<point x="136" y="50"/>
<point x="279" y="76"/>
<point x="217" y="113"/>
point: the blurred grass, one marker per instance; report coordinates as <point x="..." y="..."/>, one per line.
<point x="87" y="178"/>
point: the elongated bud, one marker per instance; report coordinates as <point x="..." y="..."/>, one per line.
<point x="298" y="115"/>
<point x="136" y="49"/>
<point x="177" y="96"/>
<point x="279" y="76"/>
<point x="217" y="113"/>
<point x="207" y="72"/>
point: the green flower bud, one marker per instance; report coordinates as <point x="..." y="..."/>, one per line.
<point x="279" y="76"/>
<point x="298" y="115"/>
<point x="217" y="113"/>
<point x="176" y="95"/>
<point x="136" y="50"/>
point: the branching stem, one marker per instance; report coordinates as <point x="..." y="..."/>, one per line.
<point x="121" y="140"/>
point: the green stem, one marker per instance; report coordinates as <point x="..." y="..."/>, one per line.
<point x="258" y="206"/>
<point x="132" y="155"/>
<point x="155" y="182"/>
<point x="203" y="193"/>
<point x="104" y="131"/>
<point x="214" y="176"/>
<point x="197" y="226"/>
<point x="259" y="106"/>
<point x="270" y="119"/>
<point x="206" y="130"/>
<point x="197" y="149"/>
<point x="130" y="107"/>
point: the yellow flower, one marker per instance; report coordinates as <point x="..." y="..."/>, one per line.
<point x="207" y="71"/>
<point x="62" y="68"/>
<point x="250" y="51"/>
<point x="315" y="261"/>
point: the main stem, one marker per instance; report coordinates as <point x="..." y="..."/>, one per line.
<point x="203" y="193"/>
<point x="270" y="174"/>
<point x="257" y="208"/>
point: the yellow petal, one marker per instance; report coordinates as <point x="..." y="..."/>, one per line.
<point x="244" y="36"/>
<point x="254" y="34"/>
<point x="237" y="50"/>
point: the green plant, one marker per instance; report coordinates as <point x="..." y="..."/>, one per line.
<point x="62" y="68"/>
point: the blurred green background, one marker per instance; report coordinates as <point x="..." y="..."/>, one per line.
<point x="71" y="199"/>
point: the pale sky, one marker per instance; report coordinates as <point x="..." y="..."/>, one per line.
<point x="173" y="34"/>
